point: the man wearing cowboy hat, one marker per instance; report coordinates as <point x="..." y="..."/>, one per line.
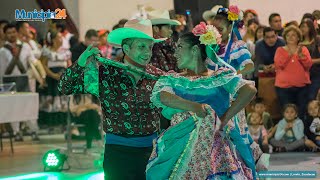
<point x="131" y="121"/>
<point x="162" y="56"/>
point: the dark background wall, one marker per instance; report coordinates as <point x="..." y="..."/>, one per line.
<point x="197" y="7"/>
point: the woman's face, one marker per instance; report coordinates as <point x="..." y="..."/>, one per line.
<point x="183" y="54"/>
<point x="248" y="17"/>
<point x="304" y="29"/>
<point x="260" y="34"/>
<point x="292" y="37"/>
<point x="253" y="27"/>
<point x="58" y="40"/>
<point x="222" y="27"/>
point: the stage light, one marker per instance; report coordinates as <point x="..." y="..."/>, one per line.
<point x="53" y="160"/>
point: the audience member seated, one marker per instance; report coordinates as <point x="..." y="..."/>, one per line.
<point x="290" y="131"/>
<point x="258" y="132"/>
<point x="265" y="50"/>
<point x="264" y="70"/>
<point x="260" y="108"/>
<point x="313" y="110"/>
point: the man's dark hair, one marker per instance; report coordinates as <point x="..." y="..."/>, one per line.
<point x="91" y="33"/>
<point x="9" y="26"/>
<point x="268" y="29"/>
<point x="61" y="25"/>
<point x="20" y="24"/>
<point x="272" y="16"/>
<point x="3" y="21"/>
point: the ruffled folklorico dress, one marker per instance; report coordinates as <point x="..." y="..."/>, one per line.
<point x="238" y="56"/>
<point x="193" y="147"/>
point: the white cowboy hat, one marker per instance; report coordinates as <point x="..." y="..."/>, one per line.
<point x="135" y="28"/>
<point x="207" y="15"/>
<point x="161" y="17"/>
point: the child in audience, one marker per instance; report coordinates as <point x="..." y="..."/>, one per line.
<point x="258" y="132"/>
<point x="313" y="110"/>
<point x="290" y="131"/>
<point x="260" y="108"/>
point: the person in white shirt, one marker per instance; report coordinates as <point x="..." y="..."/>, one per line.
<point x="23" y="29"/>
<point x="15" y="59"/>
<point x="55" y="60"/>
<point x="66" y="35"/>
<point x="2" y="36"/>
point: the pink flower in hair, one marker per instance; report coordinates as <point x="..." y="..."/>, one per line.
<point x="200" y="29"/>
<point x="234" y="9"/>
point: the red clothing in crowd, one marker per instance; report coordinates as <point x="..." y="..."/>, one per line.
<point x="292" y="71"/>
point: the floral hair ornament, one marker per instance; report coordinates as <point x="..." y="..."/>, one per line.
<point x="234" y="13"/>
<point x="209" y="35"/>
<point x="211" y="38"/>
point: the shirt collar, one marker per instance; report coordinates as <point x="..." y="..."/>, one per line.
<point x="18" y="42"/>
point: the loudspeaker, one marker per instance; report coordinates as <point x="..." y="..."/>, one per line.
<point x="197" y="7"/>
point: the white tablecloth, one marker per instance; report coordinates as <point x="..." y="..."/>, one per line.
<point x="19" y="107"/>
